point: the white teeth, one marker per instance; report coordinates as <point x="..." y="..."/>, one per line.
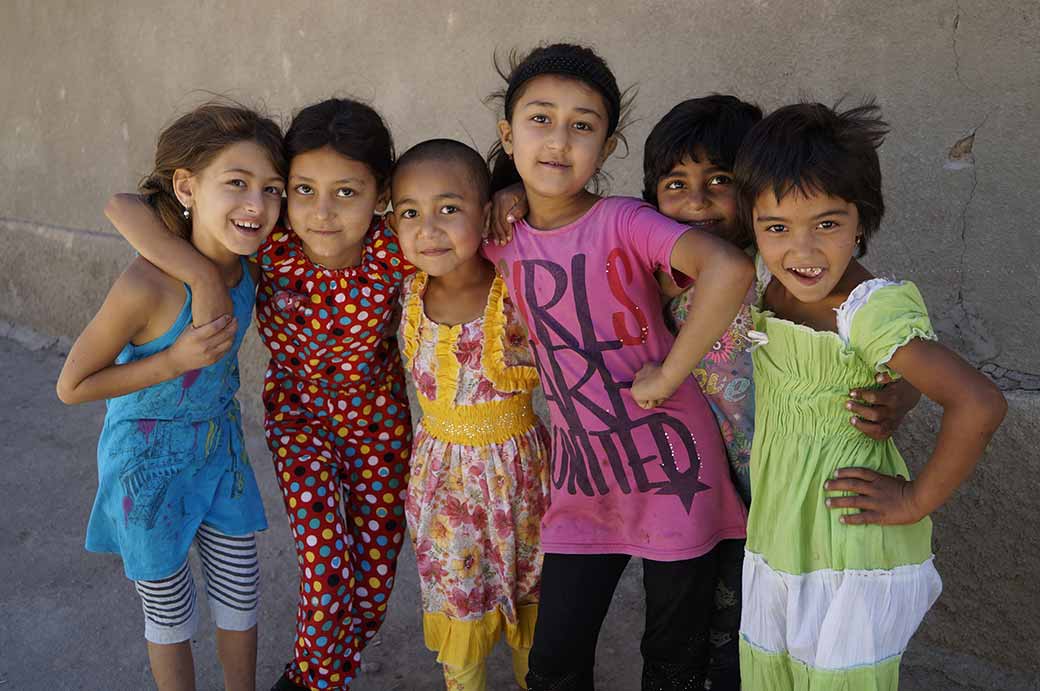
<point x="247" y="224"/>
<point x="810" y="271"/>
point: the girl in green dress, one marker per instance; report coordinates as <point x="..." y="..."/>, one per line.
<point x="838" y="572"/>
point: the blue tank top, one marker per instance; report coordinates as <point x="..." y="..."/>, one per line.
<point x="172" y="456"/>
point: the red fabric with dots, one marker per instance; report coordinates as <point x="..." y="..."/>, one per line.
<point x="337" y="422"/>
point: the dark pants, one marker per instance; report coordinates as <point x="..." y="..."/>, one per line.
<point x="724" y="672"/>
<point x="576" y="593"/>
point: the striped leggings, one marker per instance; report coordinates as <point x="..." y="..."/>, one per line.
<point x="232" y="573"/>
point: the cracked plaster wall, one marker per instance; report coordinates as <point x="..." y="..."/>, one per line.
<point x="87" y="88"/>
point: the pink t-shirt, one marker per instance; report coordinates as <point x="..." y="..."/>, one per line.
<point x="649" y="483"/>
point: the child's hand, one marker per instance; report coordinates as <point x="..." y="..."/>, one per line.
<point x="288" y="301"/>
<point x="881" y="499"/>
<point x="508" y="206"/>
<point x="878" y="414"/>
<point x="652" y="386"/>
<point x="199" y="347"/>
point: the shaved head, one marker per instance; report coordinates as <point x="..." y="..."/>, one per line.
<point x="451" y="152"/>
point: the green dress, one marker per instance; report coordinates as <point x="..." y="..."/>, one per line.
<point x="827" y="606"/>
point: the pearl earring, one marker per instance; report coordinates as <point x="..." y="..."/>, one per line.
<point x="187" y="213"/>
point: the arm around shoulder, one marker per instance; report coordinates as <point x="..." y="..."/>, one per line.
<point x="723" y="274"/>
<point x="696" y="252"/>
<point x="138" y="223"/>
<point x="90" y="372"/>
<point x="122" y="316"/>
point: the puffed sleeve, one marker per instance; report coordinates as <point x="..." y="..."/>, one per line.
<point x="885" y="319"/>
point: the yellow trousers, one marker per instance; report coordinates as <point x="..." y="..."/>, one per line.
<point x="474" y="677"/>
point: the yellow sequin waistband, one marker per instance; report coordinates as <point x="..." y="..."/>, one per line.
<point x="481" y="423"/>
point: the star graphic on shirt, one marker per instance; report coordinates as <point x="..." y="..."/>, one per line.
<point x="685" y="486"/>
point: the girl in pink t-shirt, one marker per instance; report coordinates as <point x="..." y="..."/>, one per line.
<point x="638" y="466"/>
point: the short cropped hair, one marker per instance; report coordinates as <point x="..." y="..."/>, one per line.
<point x="716" y="124"/>
<point x="451" y="151"/>
<point x="811" y="148"/>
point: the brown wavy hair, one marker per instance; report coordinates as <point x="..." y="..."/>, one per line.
<point x="193" y="141"/>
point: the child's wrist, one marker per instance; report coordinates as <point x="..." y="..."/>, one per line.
<point x="919" y="503"/>
<point x="170" y="365"/>
<point x="204" y="274"/>
<point x="674" y="373"/>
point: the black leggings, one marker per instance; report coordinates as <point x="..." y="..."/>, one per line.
<point x="575" y="595"/>
<point x="724" y="672"/>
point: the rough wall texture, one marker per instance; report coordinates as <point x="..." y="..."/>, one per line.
<point x="88" y="86"/>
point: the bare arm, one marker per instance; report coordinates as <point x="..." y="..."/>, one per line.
<point x="973" y="408"/>
<point x="90" y="372"/>
<point x="723" y="274"/>
<point x="138" y="223"/>
<point x="667" y="285"/>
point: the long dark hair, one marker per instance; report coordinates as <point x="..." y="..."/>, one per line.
<point x="565" y="59"/>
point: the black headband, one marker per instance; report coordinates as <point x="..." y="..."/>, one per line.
<point x="593" y="73"/>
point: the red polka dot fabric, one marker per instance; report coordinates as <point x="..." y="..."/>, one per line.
<point x="338" y="424"/>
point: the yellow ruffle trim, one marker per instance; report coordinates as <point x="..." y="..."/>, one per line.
<point x="482" y="423"/>
<point x="460" y="643"/>
<point x="447" y="363"/>
<point x="506" y="378"/>
<point x="412" y="316"/>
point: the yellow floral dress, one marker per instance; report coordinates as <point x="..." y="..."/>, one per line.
<point x="479" y="479"/>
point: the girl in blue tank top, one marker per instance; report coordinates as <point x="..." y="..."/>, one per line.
<point x="172" y="467"/>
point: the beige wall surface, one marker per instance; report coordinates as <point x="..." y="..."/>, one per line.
<point x="87" y="86"/>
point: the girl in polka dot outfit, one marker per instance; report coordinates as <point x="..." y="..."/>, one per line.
<point x="336" y="411"/>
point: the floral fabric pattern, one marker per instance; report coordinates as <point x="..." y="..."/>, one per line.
<point x="725" y="377"/>
<point x="474" y="509"/>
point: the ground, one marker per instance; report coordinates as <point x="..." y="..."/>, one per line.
<point x="70" y="620"/>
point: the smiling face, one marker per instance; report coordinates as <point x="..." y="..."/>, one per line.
<point x="331" y="202"/>
<point x="234" y="201"/>
<point x="700" y="194"/>
<point x="438" y="216"/>
<point x="557" y="135"/>
<point x="806" y="241"/>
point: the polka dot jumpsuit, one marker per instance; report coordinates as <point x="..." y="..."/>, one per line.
<point x="337" y="422"/>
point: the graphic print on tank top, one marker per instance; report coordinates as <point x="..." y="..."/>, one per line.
<point x="648" y="483"/>
<point x="580" y="386"/>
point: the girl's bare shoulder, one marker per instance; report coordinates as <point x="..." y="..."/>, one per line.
<point x="144" y="285"/>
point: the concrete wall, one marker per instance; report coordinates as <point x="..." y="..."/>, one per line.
<point x="87" y="86"/>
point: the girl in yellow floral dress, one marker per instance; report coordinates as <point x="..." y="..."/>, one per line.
<point x="479" y="477"/>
